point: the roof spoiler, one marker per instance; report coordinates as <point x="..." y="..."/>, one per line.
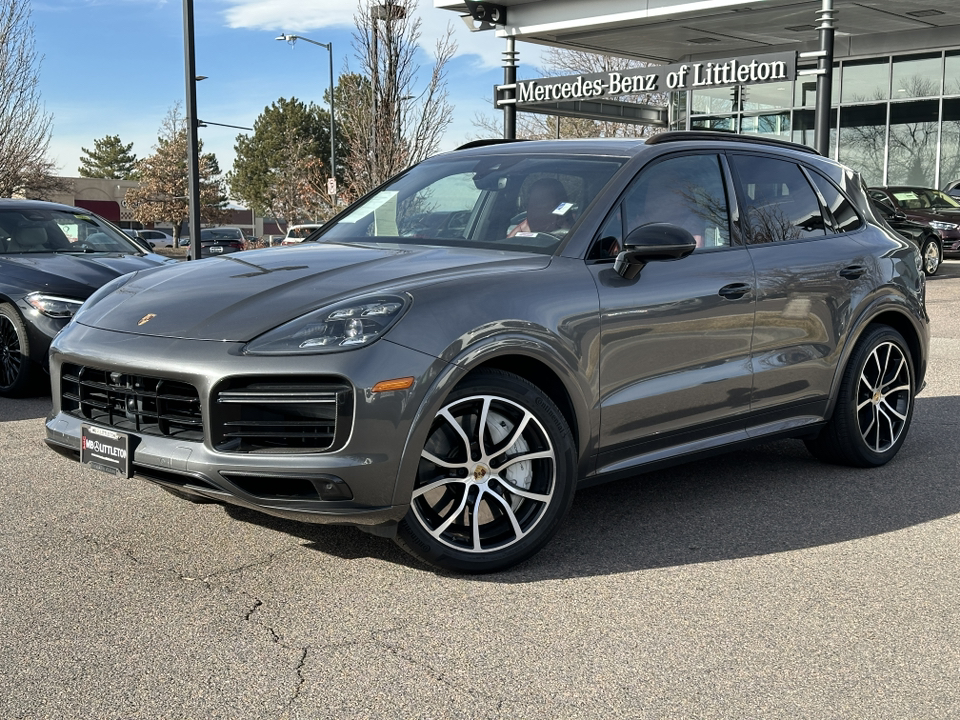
<point x="488" y="141"/>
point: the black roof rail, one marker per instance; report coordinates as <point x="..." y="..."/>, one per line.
<point x="680" y="135"/>
<point x="488" y="141"/>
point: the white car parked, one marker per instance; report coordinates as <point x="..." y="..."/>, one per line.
<point x="296" y="233"/>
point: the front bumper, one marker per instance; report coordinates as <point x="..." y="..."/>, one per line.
<point x="368" y="463"/>
<point x="951" y="242"/>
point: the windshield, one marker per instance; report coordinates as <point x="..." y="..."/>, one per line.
<point x="924" y="199"/>
<point x="525" y="203"/>
<point x="43" y="230"/>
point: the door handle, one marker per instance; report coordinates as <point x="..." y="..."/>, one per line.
<point x="852" y="272"/>
<point x="734" y="291"/>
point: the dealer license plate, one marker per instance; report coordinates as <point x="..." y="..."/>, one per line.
<point x="105" y="450"/>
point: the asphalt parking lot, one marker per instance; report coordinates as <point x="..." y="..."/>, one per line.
<point x="761" y="584"/>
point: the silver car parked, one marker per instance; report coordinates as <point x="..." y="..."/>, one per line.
<point x="499" y="325"/>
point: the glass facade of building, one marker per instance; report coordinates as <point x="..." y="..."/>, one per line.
<point x="895" y="118"/>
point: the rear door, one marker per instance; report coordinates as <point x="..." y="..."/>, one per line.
<point x="811" y="273"/>
<point x="675" y="363"/>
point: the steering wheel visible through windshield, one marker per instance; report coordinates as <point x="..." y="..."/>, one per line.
<point x="46" y="230"/>
<point x="520" y="202"/>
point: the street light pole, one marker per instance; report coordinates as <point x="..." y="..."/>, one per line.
<point x="193" y="158"/>
<point x="292" y="40"/>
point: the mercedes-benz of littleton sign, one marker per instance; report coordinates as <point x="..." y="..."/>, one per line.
<point x="680" y="76"/>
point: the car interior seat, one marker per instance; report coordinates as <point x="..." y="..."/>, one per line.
<point x="32" y="237"/>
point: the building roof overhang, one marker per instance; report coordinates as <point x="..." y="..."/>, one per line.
<point x="665" y="31"/>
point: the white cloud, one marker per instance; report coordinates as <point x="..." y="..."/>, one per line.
<point x="288" y="15"/>
<point x="298" y="16"/>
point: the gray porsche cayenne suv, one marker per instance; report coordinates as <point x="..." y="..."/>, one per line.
<point x="499" y="325"/>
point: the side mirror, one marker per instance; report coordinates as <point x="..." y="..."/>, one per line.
<point x="648" y="243"/>
<point x="143" y="244"/>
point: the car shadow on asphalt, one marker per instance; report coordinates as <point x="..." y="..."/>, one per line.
<point x="768" y="499"/>
<point x="35" y="407"/>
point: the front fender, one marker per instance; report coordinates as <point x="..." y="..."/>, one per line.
<point x="493" y="348"/>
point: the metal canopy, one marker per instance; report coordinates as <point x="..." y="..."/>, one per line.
<point x="665" y="31"/>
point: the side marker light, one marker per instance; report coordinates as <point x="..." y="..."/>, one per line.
<point x="395" y="384"/>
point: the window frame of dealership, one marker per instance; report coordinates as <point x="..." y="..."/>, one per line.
<point x="895" y="101"/>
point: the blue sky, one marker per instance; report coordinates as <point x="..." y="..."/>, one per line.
<point x="114" y="67"/>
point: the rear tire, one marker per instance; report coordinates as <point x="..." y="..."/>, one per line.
<point x="496" y="477"/>
<point x="17" y="371"/>
<point x="874" y="405"/>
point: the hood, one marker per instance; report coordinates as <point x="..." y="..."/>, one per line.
<point x="70" y="274"/>
<point x="239" y="296"/>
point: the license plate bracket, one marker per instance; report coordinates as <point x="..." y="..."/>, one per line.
<point x="106" y="450"/>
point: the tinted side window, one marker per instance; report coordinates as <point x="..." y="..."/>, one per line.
<point x="610" y="240"/>
<point x="844" y="216"/>
<point x="687" y="191"/>
<point x="779" y="203"/>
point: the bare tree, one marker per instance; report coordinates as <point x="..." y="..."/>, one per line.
<point x="162" y="195"/>
<point x="558" y="62"/>
<point x="24" y="126"/>
<point x="389" y="119"/>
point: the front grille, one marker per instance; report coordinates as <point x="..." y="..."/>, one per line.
<point x="134" y="403"/>
<point x="281" y="415"/>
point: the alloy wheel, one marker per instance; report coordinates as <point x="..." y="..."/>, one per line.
<point x="11" y="352"/>
<point x="931" y="258"/>
<point x="883" y="397"/>
<point x="487" y="475"/>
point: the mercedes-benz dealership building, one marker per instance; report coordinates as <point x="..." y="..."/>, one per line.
<point x="751" y="67"/>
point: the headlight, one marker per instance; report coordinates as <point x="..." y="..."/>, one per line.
<point x="937" y="225"/>
<point x="53" y="306"/>
<point x="344" y="326"/>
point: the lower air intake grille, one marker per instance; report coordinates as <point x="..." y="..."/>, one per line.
<point x="134" y="403"/>
<point x="282" y="415"/>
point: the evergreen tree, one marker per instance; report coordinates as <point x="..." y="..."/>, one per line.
<point x="110" y="158"/>
<point x="274" y="169"/>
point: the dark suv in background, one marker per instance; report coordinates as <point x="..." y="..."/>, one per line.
<point x="465" y="346"/>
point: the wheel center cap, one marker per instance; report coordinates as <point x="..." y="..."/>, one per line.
<point x="479" y="473"/>
<point x="877" y="397"/>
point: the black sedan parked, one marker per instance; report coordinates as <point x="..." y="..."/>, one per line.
<point x="926" y="205"/>
<point x="220" y="241"/>
<point x="496" y="326"/>
<point x="52" y="257"/>
<point x="926" y="238"/>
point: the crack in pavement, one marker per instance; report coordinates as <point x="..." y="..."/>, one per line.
<point x="434" y="672"/>
<point x="301" y="681"/>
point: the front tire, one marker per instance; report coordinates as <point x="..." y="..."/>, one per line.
<point x="874" y="405"/>
<point x="496" y="477"/>
<point x="931" y="255"/>
<point x="16" y="369"/>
